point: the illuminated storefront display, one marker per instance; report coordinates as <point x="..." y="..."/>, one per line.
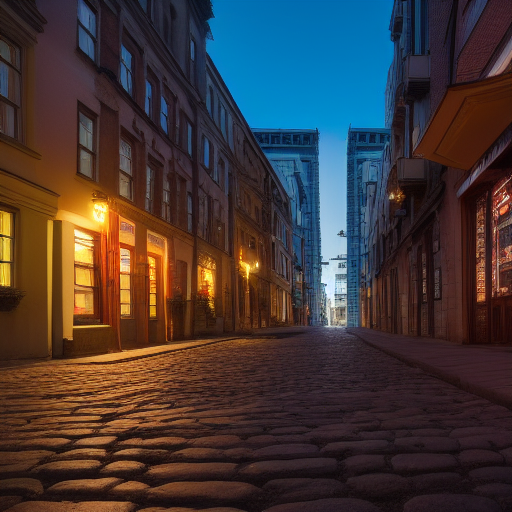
<point x="152" y="287"/>
<point x="125" y="286"/>
<point x="502" y="238"/>
<point x="86" y="289"/>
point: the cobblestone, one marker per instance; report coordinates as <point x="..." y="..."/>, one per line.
<point x="317" y="422"/>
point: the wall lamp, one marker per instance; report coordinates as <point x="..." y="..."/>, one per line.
<point x="100" y="206"/>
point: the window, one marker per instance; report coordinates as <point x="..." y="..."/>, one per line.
<point x="86" y="145"/>
<point x="125" y="285"/>
<point x="86" y="285"/>
<point x="152" y="286"/>
<point x="209" y="100"/>
<point x="361" y="137"/>
<point x="164" y="115"/>
<point x="6" y="248"/>
<point x="86" y="29"/>
<point x="206" y="152"/>
<point x="10" y="88"/>
<point x="220" y="172"/>
<point x="126" y="74"/>
<point x="192" y="63"/>
<point x="190" y="139"/>
<point x="166" y="204"/>
<point x="189" y="212"/>
<point x="223" y="125"/>
<point x="150" y="189"/>
<point x="148" y="102"/>
<point x="275" y="138"/>
<point x="420" y="27"/>
<point x="373" y="138"/>
<point x="125" y="170"/>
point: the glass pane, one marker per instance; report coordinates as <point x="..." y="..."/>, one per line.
<point x="148" y="107"/>
<point x="126" y="310"/>
<point x="152" y="311"/>
<point x="84" y="302"/>
<point x="85" y="163"/>
<point x="125" y="260"/>
<point x="86" y="126"/>
<point x="480" y="248"/>
<point x="125" y="282"/>
<point x="5" y="223"/>
<point x="10" y="53"/>
<point x="85" y="42"/>
<point x="5" y="249"/>
<point x="5" y="274"/>
<point x="84" y="276"/>
<point x="7" y="120"/>
<point x="125" y="186"/>
<point x="152" y="299"/>
<point x="125" y="297"/>
<point x="9" y="83"/>
<point x="87" y="17"/>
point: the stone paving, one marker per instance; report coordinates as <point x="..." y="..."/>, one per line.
<point x="311" y="422"/>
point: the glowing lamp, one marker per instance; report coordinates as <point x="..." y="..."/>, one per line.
<point x="100" y="207"/>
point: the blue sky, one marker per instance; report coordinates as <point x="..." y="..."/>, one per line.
<point x="308" y="64"/>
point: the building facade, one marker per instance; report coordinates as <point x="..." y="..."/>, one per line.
<point x="118" y="181"/>
<point x="439" y="243"/>
<point x="365" y="144"/>
<point x="334" y="276"/>
<point x="294" y="156"/>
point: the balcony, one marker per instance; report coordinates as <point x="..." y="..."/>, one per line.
<point x="417" y="75"/>
<point x="411" y="171"/>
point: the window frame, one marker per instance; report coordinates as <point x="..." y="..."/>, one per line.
<point x="12" y="256"/>
<point x="93" y="37"/>
<point x="149" y="99"/>
<point x="155" y="258"/>
<point x="122" y="172"/>
<point x="17" y="70"/>
<point x="130" y="274"/>
<point x="91" y="116"/>
<point x="207" y="154"/>
<point x="95" y="317"/>
<point x="130" y="89"/>
<point x="149" y="198"/>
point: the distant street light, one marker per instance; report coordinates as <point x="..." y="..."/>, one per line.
<point x="342" y="233"/>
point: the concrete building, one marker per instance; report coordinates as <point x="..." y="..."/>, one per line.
<point x="294" y="156"/>
<point x="440" y="215"/>
<point x="118" y="172"/>
<point x="363" y="144"/>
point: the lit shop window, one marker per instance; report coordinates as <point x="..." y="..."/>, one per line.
<point x="152" y="286"/>
<point x="125" y="284"/>
<point x="86" y="289"/>
<point x="502" y="238"/>
<point x="6" y="248"/>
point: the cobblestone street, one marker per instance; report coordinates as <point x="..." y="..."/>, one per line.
<point x="311" y="422"/>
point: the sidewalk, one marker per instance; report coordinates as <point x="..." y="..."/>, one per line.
<point x="141" y="353"/>
<point x="484" y="370"/>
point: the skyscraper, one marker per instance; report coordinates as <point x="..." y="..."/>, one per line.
<point x="294" y="156"/>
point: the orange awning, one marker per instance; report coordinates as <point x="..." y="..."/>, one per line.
<point x="470" y="117"/>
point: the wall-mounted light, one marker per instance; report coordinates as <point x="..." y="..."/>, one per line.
<point x="396" y="196"/>
<point x="100" y="206"/>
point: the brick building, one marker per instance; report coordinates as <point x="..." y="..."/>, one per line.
<point x="441" y="238"/>
<point x="117" y="168"/>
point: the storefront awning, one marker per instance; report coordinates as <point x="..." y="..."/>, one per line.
<point x="470" y="117"/>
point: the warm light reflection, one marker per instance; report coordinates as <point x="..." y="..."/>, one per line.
<point x="99" y="212"/>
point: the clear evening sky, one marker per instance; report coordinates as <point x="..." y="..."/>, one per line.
<point x="308" y="64"/>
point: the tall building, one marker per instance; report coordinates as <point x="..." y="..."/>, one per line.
<point x="294" y="156"/>
<point x="440" y="237"/>
<point x="363" y="144"/>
